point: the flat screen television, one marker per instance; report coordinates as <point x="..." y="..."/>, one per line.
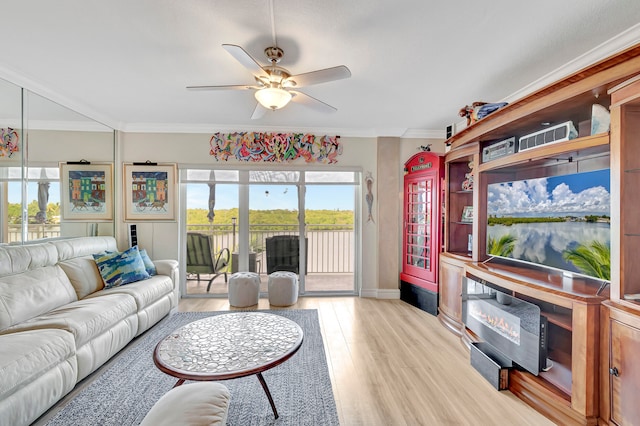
<point x="561" y="222"/>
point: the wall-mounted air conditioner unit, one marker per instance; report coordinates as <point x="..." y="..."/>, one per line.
<point x="559" y="133"/>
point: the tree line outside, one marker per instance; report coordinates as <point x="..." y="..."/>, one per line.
<point x="222" y="217"/>
<point x="510" y="220"/>
<point x="14" y="212"/>
<point x="330" y="218"/>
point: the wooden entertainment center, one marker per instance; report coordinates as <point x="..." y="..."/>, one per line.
<point x="594" y="329"/>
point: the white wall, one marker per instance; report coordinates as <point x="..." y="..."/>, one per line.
<point x="52" y="146"/>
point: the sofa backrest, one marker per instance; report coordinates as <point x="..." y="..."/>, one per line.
<point x="31" y="283"/>
<point x="76" y="260"/>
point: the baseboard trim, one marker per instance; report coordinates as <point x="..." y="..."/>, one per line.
<point x="380" y="293"/>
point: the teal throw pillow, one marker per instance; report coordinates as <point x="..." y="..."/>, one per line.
<point x="148" y="264"/>
<point x="123" y="268"/>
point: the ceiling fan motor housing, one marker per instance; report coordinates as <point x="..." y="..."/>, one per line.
<point x="274" y="54"/>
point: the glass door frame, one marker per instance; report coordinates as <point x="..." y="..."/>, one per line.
<point x="243" y="222"/>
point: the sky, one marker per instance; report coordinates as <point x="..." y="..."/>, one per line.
<point x="32" y="192"/>
<point x="271" y="197"/>
<point x="569" y="195"/>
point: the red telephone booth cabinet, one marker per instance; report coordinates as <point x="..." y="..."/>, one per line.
<point x="422" y="230"/>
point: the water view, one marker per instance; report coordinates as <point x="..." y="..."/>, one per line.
<point x="545" y="242"/>
<point x="558" y="221"/>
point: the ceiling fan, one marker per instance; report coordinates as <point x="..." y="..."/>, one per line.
<point x="275" y="86"/>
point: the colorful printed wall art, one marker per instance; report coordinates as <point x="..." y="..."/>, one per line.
<point x="8" y="142"/>
<point x="275" y="147"/>
<point x="86" y="191"/>
<point x="150" y="192"/>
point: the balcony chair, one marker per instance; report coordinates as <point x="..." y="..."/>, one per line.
<point x="283" y="253"/>
<point x="202" y="260"/>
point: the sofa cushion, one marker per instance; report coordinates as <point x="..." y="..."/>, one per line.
<point x="123" y="268"/>
<point x="83" y="246"/>
<point x="83" y="274"/>
<point x="85" y="319"/>
<point x="17" y="259"/>
<point x="32" y="293"/>
<point x="37" y="368"/>
<point x="25" y="356"/>
<point x="144" y="292"/>
<point x="148" y="263"/>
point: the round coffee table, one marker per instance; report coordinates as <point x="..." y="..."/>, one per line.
<point x="228" y="346"/>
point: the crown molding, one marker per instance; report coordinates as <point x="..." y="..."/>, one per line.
<point x="424" y="134"/>
<point x="226" y="128"/>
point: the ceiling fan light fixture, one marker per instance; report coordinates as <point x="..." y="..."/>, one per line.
<point x="273" y="97"/>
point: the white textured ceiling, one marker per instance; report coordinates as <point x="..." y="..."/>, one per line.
<point x="414" y="63"/>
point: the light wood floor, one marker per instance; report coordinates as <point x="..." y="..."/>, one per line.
<point x="392" y="364"/>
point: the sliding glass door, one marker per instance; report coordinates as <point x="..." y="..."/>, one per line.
<point x="273" y="218"/>
<point x="211" y="229"/>
<point x="330" y="218"/>
<point x="260" y="217"/>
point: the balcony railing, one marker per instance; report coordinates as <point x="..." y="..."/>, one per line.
<point x="34" y="231"/>
<point x="330" y="247"/>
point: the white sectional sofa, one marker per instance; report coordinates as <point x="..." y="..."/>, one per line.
<point x="58" y="324"/>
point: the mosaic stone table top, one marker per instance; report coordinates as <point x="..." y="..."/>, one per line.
<point x="228" y="345"/>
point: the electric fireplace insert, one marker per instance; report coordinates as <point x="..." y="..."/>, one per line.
<point x="511" y="325"/>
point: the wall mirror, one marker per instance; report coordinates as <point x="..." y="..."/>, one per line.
<point x="32" y="193"/>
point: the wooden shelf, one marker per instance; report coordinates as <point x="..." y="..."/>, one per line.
<point x="460" y="254"/>
<point x="561" y="320"/>
<point x="559" y="374"/>
<point x="538" y="283"/>
<point x="551" y="154"/>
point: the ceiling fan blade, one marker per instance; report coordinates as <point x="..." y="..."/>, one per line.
<point x="258" y="112"/>
<point x="311" y="102"/>
<point x="229" y="87"/>
<point x="320" y="76"/>
<point x="246" y="60"/>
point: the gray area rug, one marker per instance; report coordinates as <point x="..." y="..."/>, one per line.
<point x="126" y="391"/>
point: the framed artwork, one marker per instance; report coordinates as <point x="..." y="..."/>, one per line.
<point x="86" y="191"/>
<point x="467" y="214"/>
<point x="149" y="192"/>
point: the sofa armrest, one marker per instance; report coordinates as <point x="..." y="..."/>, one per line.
<point x="169" y="267"/>
<point x="166" y="266"/>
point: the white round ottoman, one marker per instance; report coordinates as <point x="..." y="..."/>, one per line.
<point x="283" y="288"/>
<point x="244" y="289"/>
